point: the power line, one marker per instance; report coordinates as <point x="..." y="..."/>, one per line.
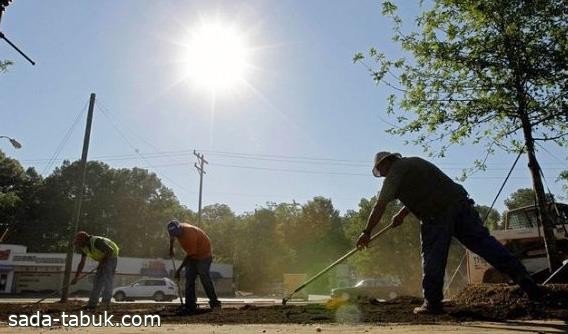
<point x="297" y="160"/>
<point x="237" y="154"/>
<point x="563" y="162"/>
<point x="136" y="149"/>
<point x="331" y="173"/>
<point x="65" y="139"/>
<point x="289" y="170"/>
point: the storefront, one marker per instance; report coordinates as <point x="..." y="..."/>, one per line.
<point x="22" y="272"/>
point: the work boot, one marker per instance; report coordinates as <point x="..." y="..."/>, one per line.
<point x="429" y="308"/>
<point x="215" y="306"/>
<point x="533" y="291"/>
<point x="182" y="311"/>
<point x="90" y="307"/>
<point x="105" y="306"/>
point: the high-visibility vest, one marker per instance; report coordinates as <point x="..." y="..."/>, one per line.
<point x="94" y="253"/>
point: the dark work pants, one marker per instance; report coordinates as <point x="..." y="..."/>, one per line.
<point x="103" y="281"/>
<point x="462" y="222"/>
<point x="192" y="270"/>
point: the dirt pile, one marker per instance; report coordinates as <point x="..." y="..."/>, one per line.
<point x="475" y="303"/>
<point x="499" y="302"/>
<point x="555" y="295"/>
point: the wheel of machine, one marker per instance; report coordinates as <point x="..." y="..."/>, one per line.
<point x="159" y="296"/>
<point x="119" y="296"/>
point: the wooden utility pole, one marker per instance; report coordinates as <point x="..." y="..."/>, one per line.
<point x="78" y="201"/>
<point x="200" y="168"/>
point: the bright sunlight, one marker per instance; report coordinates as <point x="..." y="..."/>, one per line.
<point x="216" y="57"/>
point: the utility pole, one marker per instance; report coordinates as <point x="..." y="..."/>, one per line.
<point x="78" y="201"/>
<point x="201" y="170"/>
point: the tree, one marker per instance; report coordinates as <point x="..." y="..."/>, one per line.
<point x="18" y="194"/>
<point x="490" y="216"/>
<point x="219" y="222"/>
<point x="524" y="197"/>
<point x="564" y="176"/>
<point x="116" y="203"/>
<point x="491" y="72"/>
<point x="4" y="65"/>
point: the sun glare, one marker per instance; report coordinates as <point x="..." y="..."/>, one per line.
<point x="216" y="57"/>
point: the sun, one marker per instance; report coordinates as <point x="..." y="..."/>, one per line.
<point x="216" y="57"/>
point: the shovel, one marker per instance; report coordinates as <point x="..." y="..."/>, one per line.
<point x="177" y="283"/>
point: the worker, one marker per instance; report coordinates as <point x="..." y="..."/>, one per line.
<point x="197" y="262"/>
<point x="105" y="252"/>
<point x="445" y="211"/>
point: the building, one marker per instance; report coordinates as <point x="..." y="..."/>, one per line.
<point x="22" y="272"/>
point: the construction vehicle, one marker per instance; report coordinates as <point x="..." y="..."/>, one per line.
<point x="522" y="235"/>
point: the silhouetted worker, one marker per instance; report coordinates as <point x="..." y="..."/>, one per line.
<point x="445" y="211"/>
<point x="105" y="252"/>
<point x="197" y="262"/>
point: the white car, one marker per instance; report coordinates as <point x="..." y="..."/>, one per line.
<point x="158" y="289"/>
<point x="381" y="288"/>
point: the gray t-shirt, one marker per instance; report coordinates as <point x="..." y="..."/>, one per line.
<point x="422" y="187"/>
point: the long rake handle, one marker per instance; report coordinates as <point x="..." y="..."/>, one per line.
<point x="68" y="284"/>
<point x="338" y="261"/>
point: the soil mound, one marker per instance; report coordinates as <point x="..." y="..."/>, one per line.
<point x="475" y="303"/>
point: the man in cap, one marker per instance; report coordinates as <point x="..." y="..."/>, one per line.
<point x="445" y="211"/>
<point x="105" y="252"/>
<point x="197" y="261"/>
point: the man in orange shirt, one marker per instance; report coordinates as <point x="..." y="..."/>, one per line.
<point x="197" y="262"/>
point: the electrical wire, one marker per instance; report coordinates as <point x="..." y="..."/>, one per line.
<point x="295" y="160"/>
<point x="123" y="136"/>
<point x="64" y="140"/>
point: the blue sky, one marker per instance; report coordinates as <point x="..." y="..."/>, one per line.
<point x="307" y="123"/>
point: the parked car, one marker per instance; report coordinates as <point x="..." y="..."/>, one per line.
<point x="158" y="289"/>
<point x="378" y="288"/>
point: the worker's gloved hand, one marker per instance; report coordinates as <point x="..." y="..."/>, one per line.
<point x="363" y="240"/>
<point x="73" y="281"/>
<point x="397" y="220"/>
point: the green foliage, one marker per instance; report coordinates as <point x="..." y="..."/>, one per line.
<point x="524" y="197"/>
<point x="396" y="253"/>
<point x="219" y="221"/>
<point x="116" y="203"/>
<point x="17" y="194"/>
<point x="4" y="65"/>
<point x="564" y="176"/>
<point x="490" y="217"/>
<point x="480" y="72"/>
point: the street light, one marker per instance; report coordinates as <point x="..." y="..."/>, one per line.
<point x="13" y="141"/>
